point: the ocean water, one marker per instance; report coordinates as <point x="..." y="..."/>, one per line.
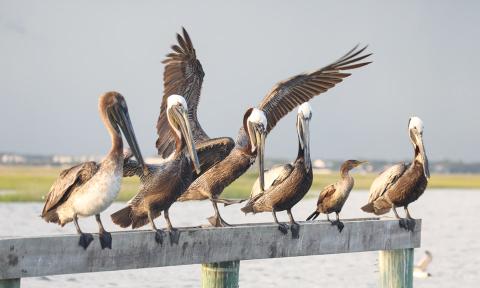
<point x="450" y="231"/>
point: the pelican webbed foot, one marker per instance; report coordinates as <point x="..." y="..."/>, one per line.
<point x="283" y="228"/>
<point x="85" y="240"/>
<point x="410" y="221"/>
<point x="159" y="236"/>
<point x="174" y="235"/>
<point x="104" y="236"/>
<point x="105" y="239"/>
<point x="158" y="232"/>
<point x="294" y="227"/>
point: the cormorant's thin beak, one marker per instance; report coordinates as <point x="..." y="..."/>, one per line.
<point x="362" y="162"/>
<point x="260" y="140"/>
<point x="123" y="120"/>
<point x="187" y="134"/>
<point x="423" y="155"/>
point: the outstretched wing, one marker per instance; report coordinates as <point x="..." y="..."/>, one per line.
<point x="288" y="94"/>
<point x="66" y="182"/>
<point x="273" y="177"/>
<point x="183" y="75"/>
<point x="326" y="192"/>
<point x="385" y="180"/>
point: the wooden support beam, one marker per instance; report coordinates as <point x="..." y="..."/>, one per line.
<point x="10" y="283"/>
<point x="33" y="256"/>
<point x="396" y="268"/>
<point x="220" y="275"/>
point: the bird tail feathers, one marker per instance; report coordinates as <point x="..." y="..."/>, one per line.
<point x="313" y="216"/>
<point x="123" y="217"/>
<point x="378" y="207"/>
<point x="248" y="208"/>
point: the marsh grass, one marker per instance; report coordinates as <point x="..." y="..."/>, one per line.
<point x="33" y="183"/>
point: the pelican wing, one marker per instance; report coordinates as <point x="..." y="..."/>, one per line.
<point x="385" y="180"/>
<point x="183" y="75"/>
<point x="130" y="166"/>
<point x="212" y="151"/>
<point x="425" y="261"/>
<point x="288" y="94"/>
<point x="273" y="177"/>
<point x="66" y="182"/>
<point x="328" y="191"/>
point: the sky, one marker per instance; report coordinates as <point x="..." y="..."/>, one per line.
<point x="57" y="57"/>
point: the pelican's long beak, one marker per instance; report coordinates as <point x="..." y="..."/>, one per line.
<point x="188" y="136"/>
<point x="260" y="141"/>
<point x="123" y="120"/>
<point x="304" y="138"/>
<point x="423" y="155"/>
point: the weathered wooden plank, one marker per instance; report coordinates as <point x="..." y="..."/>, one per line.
<point x="220" y="275"/>
<point x="51" y="255"/>
<point x="396" y="268"/>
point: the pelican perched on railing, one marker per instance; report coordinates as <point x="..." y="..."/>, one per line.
<point x="333" y="197"/>
<point x="287" y="184"/>
<point x="163" y="183"/>
<point x="89" y="188"/>
<point x="221" y="164"/>
<point x="401" y="184"/>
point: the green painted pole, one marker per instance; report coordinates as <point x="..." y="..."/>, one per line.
<point x="220" y="275"/>
<point x="10" y="283"/>
<point x="396" y="268"/>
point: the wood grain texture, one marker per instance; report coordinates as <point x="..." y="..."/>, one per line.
<point x="28" y="257"/>
<point x="220" y="275"/>
<point x="396" y="268"/>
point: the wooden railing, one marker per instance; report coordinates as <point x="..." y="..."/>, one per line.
<point x="218" y="249"/>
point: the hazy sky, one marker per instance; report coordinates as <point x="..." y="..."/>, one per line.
<point x="57" y="57"/>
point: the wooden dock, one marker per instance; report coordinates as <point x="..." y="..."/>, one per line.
<point x="219" y="249"/>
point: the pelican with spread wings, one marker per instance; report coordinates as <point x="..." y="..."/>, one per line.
<point x="223" y="160"/>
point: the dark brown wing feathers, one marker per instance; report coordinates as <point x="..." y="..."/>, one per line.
<point x="326" y="192"/>
<point x="212" y="151"/>
<point x="66" y="183"/>
<point x="288" y="94"/>
<point x="183" y="75"/>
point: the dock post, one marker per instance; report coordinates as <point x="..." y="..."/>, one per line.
<point x="396" y="268"/>
<point x="10" y="283"/>
<point x="220" y="275"/>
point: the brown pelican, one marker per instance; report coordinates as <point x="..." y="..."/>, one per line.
<point x="333" y="197"/>
<point x="163" y="183"/>
<point x="401" y="184"/>
<point x="286" y="184"/>
<point x="183" y="75"/>
<point x="221" y="164"/>
<point x="89" y="188"/>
